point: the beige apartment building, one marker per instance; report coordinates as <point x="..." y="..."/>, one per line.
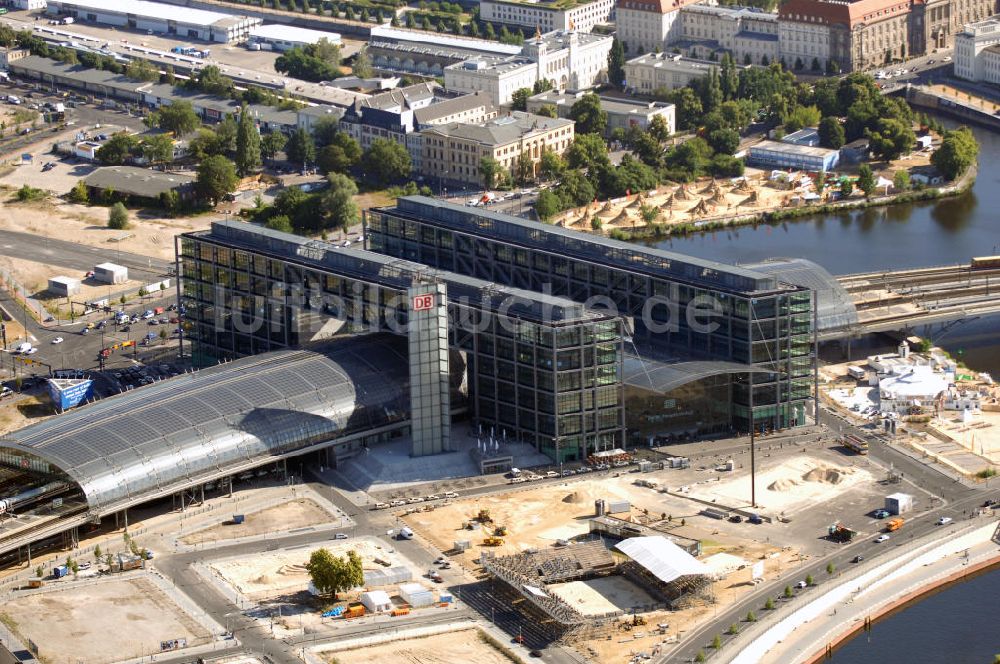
<point x="452" y="153"/>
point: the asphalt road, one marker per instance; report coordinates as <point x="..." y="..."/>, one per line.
<point x="79" y="257"/>
<point x="957" y="500"/>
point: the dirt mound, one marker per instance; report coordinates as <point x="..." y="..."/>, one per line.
<point x="824" y="476"/>
<point x="264" y="580"/>
<point x="574" y="497"/>
<point x="782" y="485"/>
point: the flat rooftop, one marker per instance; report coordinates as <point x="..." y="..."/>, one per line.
<point x="791" y="148"/>
<point x="145" y="9"/>
<point x="674" y="62"/>
<point x="586" y="246"/>
<point x="291" y="33"/>
<point x="426" y="39"/>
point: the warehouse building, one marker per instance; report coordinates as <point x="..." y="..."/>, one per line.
<point x="64" y="286"/>
<point x="184" y="22"/>
<point x="282" y="37"/>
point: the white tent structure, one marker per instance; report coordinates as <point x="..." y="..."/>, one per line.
<point x="660" y="563"/>
<point x="416" y="595"/>
<point x="376" y="601"/>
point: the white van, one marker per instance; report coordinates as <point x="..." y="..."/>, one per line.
<point x="381" y="506"/>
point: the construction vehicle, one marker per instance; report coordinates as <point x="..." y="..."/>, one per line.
<point x="638" y="620"/>
<point x="838" y="532"/>
<point x="354" y="610"/>
<point x="493" y="541"/>
<point x="483" y="516"/>
<point x="500" y="531"/>
<point x="894" y="524"/>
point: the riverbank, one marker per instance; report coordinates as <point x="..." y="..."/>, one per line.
<point x="967" y="572"/>
<point x="655" y="231"/>
<point x="811" y="632"/>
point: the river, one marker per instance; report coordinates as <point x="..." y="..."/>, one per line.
<point x="959" y="624"/>
<point x="924" y="234"/>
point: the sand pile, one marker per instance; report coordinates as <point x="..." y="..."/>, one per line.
<point x="264" y="579"/>
<point x="824" y="476"/>
<point x="784" y="484"/>
<point x="574" y="497"/>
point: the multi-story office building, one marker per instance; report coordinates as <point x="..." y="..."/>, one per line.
<point x="453" y="153"/>
<point x="543" y="369"/>
<point x="759" y="322"/>
<point x="977" y="51"/>
<point x="548" y="15"/>
<point x="622" y="113"/>
<point x="539" y="316"/>
<point x="653" y="71"/>
<point x="748" y="34"/>
<point x="569" y="60"/>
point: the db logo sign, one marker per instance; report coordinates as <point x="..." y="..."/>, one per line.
<point x="422" y="302"/>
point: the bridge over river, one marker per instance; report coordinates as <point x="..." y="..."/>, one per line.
<point x="904" y="299"/>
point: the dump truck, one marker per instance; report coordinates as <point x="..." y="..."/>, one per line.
<point x="838" y="532"/>
<point x="483" y="516"/>
<point x="894" y="524"/>
<point x="493" y="541"/>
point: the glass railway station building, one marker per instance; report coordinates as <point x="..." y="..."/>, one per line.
<point x="571" y="342"/>
<point x="566" y="341"/>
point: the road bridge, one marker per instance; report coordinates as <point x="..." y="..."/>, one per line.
<point x="903" y="299"/>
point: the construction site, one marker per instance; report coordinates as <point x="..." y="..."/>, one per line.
<point x="626" y="562"/>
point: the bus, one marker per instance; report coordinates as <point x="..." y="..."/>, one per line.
<point x="855" y="444"/>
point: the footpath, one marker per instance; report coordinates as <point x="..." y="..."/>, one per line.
<point x="866" y="594"/>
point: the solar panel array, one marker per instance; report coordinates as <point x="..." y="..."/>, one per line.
<point x="148" y="439"/>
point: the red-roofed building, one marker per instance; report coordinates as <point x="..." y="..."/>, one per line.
<point x="647" y="25"/>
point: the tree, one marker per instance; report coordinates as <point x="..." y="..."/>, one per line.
<point x="816" y="66"/>
<point x="204" y="144"/>
<point x="158" y="148"/>
<point x="547" y="205"/>
<point x="891" y="139"/>
<point x="338" y="206"/>
<point x="178" y="117"/>
<point x="216" y="178"/>
<point x="548" y="111"/>
<point x="588" y="152"/>
<point x="575" y="189"/>
<point x="280" y="222"/>
<point x="248" y="158"/>
<point x="211" y="81"/>
<point x="810" y="581"/>
<point x="831" y="133"/>
<point x="726" y="141"/>
<point x="551" y="165"/>
<point x="97" y="553"/>
<point x="751" y="616"/>
<point x="716" y="642"/>
<point x="616" y="63"/>
<point x="300" y="148"/>
<point x="388" y="160"/>
<point x="958" y="151"/>
<point x="118" y="217"/>
<point x="226" y="132"/>
<point x="340" y="155"/>
<point x="519" y="99"/>
<point x="141" y="70"/>
<point x="362" y="66"/>
<point x="271" y="144"/>
<point x="79" y="193"/>
<point x="325" y="129"/>
<point x="117" y="148"/>
<point x="688" y="106"/>
<point x="769" y="604"/>
<point x="866" y="180"/>
<point x="700" y="656"/>
<point x="831" y="568"/>
<point x="588" y="115"/>
<point x="332" y="574"/>
<point x="489" y="168"/>
<point x="788" y="591"/>
<point x="542" y="85"/>
<point x="802" y="116"/>
<point x="846" y="187"/>
<point x="734" y="629"/>
<point x="901" y="181"/>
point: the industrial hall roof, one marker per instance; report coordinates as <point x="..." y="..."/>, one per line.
<point x="176" y="433"/>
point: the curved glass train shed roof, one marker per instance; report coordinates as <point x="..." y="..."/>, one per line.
<point x="834" y="307"/>
<point x="157" y="439"/>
